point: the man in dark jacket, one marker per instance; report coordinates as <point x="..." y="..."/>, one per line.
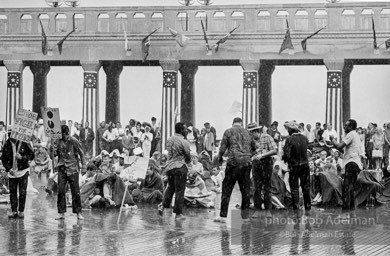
<point x="295" y="154"/>
<point x="15" y="158"/>
<point x="86" y="138"/>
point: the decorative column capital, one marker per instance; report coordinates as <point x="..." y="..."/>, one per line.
<point x="267" y="66"/>
<point x="188" y="68"/>
<point x="14" y="65"/>
<point x="40" y="68"/>
<point x="170" y="65"/>
<point x="113" y="68"/>
<point x="334" y="64"/>
<point x="250" y="65"/>
<point x="90" y="65"/>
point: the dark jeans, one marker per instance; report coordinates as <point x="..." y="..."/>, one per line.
<point x="351" y="173"/>
<point x="262" y="173"/>
<point x="14" y="184"/>
<point x="73" y="181"/>
<point x="301" y="173"/>
<point x="176" y="185"/>
<point x="233" y="174"/>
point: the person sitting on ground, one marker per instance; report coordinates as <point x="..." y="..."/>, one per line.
<point x="196" y="166"/>
<point x="102" y="196"/>
<point x="279" y="191"/>
<point x="339" y="163"/>
<point x="120" y="165"/>
<point x="41" y="166"/>
<point x="151" y="188"/>
<point x="106" y="165"/>
<point x="320" y="162"/>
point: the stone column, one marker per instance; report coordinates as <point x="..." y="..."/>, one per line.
<point x="113" y="70"/>
<point x="334" y="111"/>
<point x="250" y="103"/>
<point x="170" y="111"/>
<point x="187" y="107"/>
<point x="91" y="94"/>
<point x="265" y="92"/>
<point x="14" y="89"/>
<point x="39" y="69"/>
<point x="346" y="91"/>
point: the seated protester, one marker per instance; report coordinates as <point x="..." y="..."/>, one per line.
<point x="339" y="163"/>
<point x="329" y="185"/>
<point x="41" y="166"/>
<point x="320" y="162"/>
<point x="110" y="194"/>
<point x="196" y="190"/>
<point x="106" y="165"/>
<point x="196" y="166"/>
<point x="367" y="187"/>
<point x="102" y="196"/>
<point x="114" y="156"/>
<point x="279" y="191"/>
<point x="94" y="164"/>
<point x="314" y="186"/>
<point x="151" y="188"/>
<point x="3" y="179"/>
<point x="120" y="165"/>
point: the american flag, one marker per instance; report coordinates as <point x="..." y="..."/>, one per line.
<point x="169" y="79"/>
<point x="13" y="79"/>
<point x="250" y="79"/>
<point x="334" y="79"/>
<point x="90" y="80"/>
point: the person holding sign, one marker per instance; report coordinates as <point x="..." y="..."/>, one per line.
<point x="69" y="152"/>
<point x="15" y="158"/>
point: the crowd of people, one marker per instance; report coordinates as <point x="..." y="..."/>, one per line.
<point x="295" y="168"/>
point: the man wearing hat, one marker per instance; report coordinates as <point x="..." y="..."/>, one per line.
<point x="274" y="133"/>
<point x="262" y="167"/>
<point x="237" y="141"/>
<point x="295" y="155"/>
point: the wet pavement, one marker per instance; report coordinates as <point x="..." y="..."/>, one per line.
<point x="142" y="231"/>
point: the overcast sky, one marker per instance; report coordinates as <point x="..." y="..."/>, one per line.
<point x="298" y="92"/>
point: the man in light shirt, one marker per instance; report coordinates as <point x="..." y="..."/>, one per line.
<point x="328" y="133"/>
<point x="309" y="134"/>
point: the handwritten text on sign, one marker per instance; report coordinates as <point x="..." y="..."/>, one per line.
<point x="23" y="127"/>
<point x="51" y="121"/>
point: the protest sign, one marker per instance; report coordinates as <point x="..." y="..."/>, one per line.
<point x="51" y="122"/>
<point x="135" y="167"/>
<point x="23" y="127"/>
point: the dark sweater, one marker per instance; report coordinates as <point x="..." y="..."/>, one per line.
<point x="25" y="151"/>
<point x="295" y="150"/>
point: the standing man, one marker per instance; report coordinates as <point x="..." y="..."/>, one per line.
<point x="352" y="162"/>
<point x="310" y="134"/>
<point x="69" y="154"/>
<point x="15" y="158"/>
<point x="262" y="168"/>
<point x="208" y="126"/>
<point x="238" y="142"/>
<point x="295" y="155"/>
<point x="176" y="170"/>
<point x="318" y="132"/>
<point x="86" y="137"/>
<point x="274" y="133"/>
<point x="3" y="135"/>
<point x="99" y="136"/>
<point x="328" y="133"/>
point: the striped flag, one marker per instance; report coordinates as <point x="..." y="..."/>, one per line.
<point x="224" y="39"/>
<point x="44" y="39"/>
<point x="333" y="99"/>
<point x="287" y="43"/>
<point x="303" y="43"/>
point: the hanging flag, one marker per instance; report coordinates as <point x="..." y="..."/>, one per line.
<point x="287" y="44"/>
<point x="180" y="39"/>
<point x="334" y="79"/>
<point x="374" y="33"/>
<point x="146" y="45"/>
<point x="387" y="44"/>
<point x="223" y="40"/>
<point x="303" y="43"/>
<point x="13" y="79"/>
<point x="90" y="79"/>
<point x="127" y="48"/>
<point x="44" y="39"/>
<point x="61" y="42"/>
<point x="208" y="49"/>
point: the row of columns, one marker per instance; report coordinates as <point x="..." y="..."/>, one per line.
<point x="256" y="96"/>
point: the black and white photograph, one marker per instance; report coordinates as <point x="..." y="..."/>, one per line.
<point x="194" y="127"/>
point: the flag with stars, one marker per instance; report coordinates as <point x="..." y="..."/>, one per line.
<point x="169" y="79"/>
<point x="13" y="80"/>
<point x="334" y="79"/>
<point x="250" y="79"/>
<point x="90" y="79"/>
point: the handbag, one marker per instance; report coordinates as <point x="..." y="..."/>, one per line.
<point x="376" y="153"/>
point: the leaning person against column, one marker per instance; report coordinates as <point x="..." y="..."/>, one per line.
<point x="176" y="170"/>
<point x="69" y="152"/>
<point x="352" y="162"/>
<point x="262" y="167"/>
<point x="295" y="154"/>
<point x="237" y="142"/>
<point x="15" y="158"/>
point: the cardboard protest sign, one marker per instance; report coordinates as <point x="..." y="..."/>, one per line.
<point x="135" y="167"/>
<point x="23" y="127"/>
<point x="51" y="122"/>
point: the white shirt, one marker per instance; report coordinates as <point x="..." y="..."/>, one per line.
<point x="310" y="136"/>
<point x="110" y="135"/>
<point x="148" y="136"/>
<point x="41" y="134"/>
<point x="3" y="137"/>
<point x="352" y="151"/>
<point x="326" y="135"/>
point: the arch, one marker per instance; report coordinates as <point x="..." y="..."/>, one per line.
<point x="157" y="15"/>
<point x="43" y="16"/>
<point x="200" y="14"/>
<point x="237" y="14"/>
<point x="219" y="14"/>
<point x="263" y="14"/>
<point x="301" y="13"/>
<point x="121" y="15"/>
<point x="103" y="23"/>
<point x="139" y="15"/>
<point x="321" y="12"/>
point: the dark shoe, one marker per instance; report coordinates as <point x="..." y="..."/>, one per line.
<point x="60" y="217"/>
<point x="21" y="215"/>
<point x="13" y="215"/>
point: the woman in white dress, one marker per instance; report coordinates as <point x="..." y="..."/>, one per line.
<point x="146" y="139"/>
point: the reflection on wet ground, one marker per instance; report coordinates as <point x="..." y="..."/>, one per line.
<point x="142" y="230"/>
